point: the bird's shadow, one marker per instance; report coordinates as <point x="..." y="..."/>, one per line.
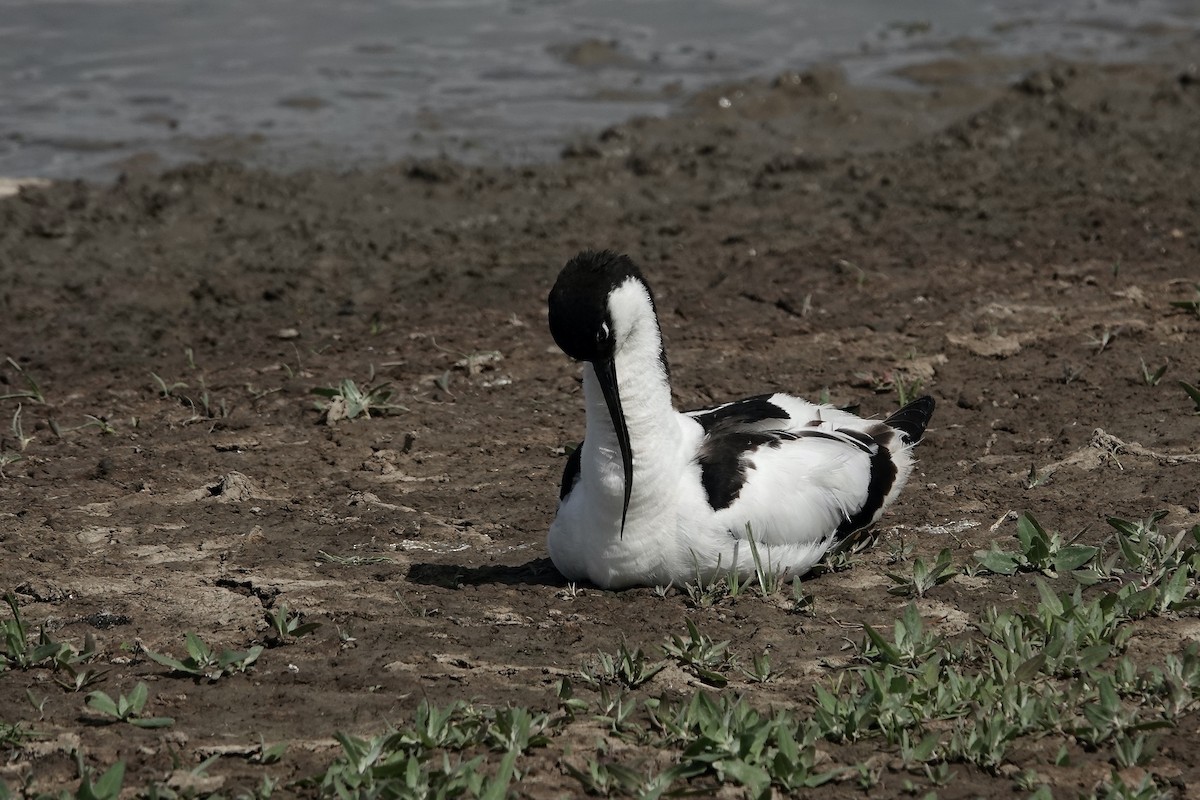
<point x="538" y="572"/>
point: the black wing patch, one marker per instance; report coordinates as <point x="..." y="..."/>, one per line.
<point x="743" y="412"/>
<point x="883" y="475"/>
<point x="728" y="439"/>
<point x="570" y="475"/>
<point x="724" y="467"/>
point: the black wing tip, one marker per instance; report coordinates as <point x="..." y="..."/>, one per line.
<point x="570" y="475"/>
<point x="912" y="419"/>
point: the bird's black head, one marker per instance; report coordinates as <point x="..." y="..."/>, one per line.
<point x="579" y="317"/>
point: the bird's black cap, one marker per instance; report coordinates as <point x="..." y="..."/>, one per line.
<point x="579" y="319"/>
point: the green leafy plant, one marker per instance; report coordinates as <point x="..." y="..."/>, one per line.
<point x="285" y="624"/>
<point x="760" y="670"/>
<point x="126" y="708"/>
<point x="706" y="658"/>
<point x="1158" y="570"/>
<point x="910" y="644"/>
<point x="1039" y="551"/>
<point x="15" y="734"/>
<point x="802" y="602"/>
<point x="705" y="593"/>
<point x="106" y="787"/>
<point x="604" y="778"/>
<point x="629" y="668"/>
<point x="770" y="578"/>
<point x="348" y="400"/>
<point x="924" y="576"/>
<point x="20" y="654"/>
<point x="203" y="662"/>
<point x="79" y="679"/>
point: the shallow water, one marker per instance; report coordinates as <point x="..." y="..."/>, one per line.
<point x="90" y="88"/>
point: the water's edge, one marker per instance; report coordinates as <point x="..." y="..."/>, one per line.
<point x="136" y="85"/>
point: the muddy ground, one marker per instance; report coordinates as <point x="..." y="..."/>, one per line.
<point x="1015" y="247"/>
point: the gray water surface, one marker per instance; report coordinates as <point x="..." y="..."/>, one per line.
<point x="88" y="88"/>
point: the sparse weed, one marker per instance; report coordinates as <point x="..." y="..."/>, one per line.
<point x="45" y="652"/>
<point x="18" y="430"/>
<point x="268" y="754"/>
<point x="38" y="705"/>
<point x="568" y="703"/>
<point x="7" y="458"/>
<point x="106" y="787"/>
<point x="403" y="763"/>
<point x="629" y="668"/>
<point x="910" y="644"/>
<point x="126" y="709"/>
<point x="1158" y="570"/>
<point x="901" y="551"/>
<point x="1192" y="305"/>
<point x="1104" y="339"/>
<point x="14" y="734"/>
<point x="907" y="389"/>
<point x="914" y="751"/>
<point x="285" y="624"/>
<point x="1116" y="788"/>
<point x="206" y="407"/>
<point x="1035" y="479"/>
<point x="105" y="427"/>
<point x="475" y="362"/>
<point x="605" y="779"/>
<point x="924" y="576"/>
<point x="514" y="729"/>
<point x="79" y="679"/>
<point x="1039" y="551"/>
<point x="203" y="662"/>
<point x="760" y="669"/>
<point x="166" y="389"/>
<point x="836" y="560"/>
<point x="1152" y="377"/>
<point x="982" y="740"/>
<point x="706" y="658"/>
<point x="770" y="579"/>
<point x="615" y="709"/>
<point x="729" y="739"/>
<point x="842" y="715"/>
<point x="32" y="392"/>
<point x="707" y="593"/>
<point x="348" y="400"/>
<point x="1134" y="750"/>
<point x="802" y="601"/>
<point x="1194" y="393"/>
<point x="1071" y="373"/>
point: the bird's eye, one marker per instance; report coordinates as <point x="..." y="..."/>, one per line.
<point x="602" y="334"/>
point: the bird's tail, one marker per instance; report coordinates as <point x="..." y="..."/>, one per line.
<point x="911" y="420"/>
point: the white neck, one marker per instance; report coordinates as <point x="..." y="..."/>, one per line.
<point x="645" y="392"/>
